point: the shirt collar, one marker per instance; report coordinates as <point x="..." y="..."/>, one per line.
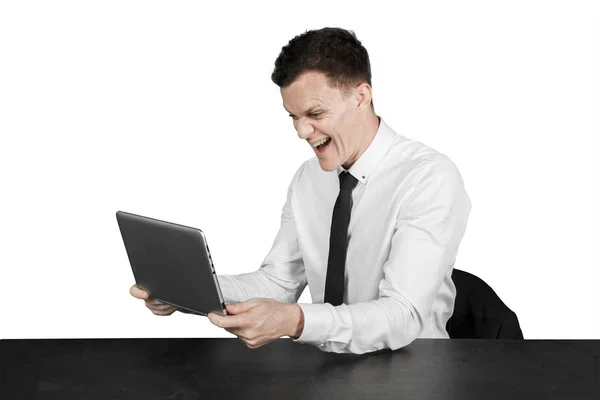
<point x="370" y="158"/>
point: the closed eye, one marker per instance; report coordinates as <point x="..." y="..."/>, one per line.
<point x="312" y="115"/>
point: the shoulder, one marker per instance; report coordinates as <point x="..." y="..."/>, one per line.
<point x="308" y="169"/>
<point x="304" y="171"/>
<point x="416" y="161"/>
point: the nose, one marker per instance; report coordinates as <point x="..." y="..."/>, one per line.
<point x="304" y="128"/>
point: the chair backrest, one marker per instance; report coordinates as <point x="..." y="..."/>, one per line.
<point x="479" y="312"/>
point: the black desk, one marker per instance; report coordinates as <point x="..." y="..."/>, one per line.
<point x="226" y="369"/>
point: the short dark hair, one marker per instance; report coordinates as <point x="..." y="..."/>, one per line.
<point x="336" y="52"/>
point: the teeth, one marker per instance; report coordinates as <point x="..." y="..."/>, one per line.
<point x="320" y="142"/>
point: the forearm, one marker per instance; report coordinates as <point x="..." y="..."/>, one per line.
<point x="261" y="284"/>
<point x="361" y="327"/>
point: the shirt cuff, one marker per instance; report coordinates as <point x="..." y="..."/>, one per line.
<point x="318" y="322"/>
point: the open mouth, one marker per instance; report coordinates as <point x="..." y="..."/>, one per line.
<point x="322" y="147"/>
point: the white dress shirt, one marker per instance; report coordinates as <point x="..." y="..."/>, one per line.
<point x="409" y="214"/>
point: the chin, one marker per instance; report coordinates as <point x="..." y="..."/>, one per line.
<point x="327" y="165"/>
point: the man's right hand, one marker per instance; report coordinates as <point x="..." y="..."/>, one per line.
<point x="154" y="305"/>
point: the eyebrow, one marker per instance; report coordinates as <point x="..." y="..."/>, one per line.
<point x="309" y="111"/>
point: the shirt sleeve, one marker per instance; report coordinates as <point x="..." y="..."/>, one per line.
<point x="281" y="275"/>
<point x="429" y="227"/>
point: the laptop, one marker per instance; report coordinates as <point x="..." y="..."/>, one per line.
<point x="172" y="263"/>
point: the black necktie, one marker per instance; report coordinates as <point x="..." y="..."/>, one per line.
<point x="338" y="241"/>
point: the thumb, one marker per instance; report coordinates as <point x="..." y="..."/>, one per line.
<point x="239" y="308"/>
<point x="213" y="318"/>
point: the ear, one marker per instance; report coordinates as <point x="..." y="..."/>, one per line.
<point x="363" y="95"/>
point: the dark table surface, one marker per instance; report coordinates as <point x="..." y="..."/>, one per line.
<point x="226" y="369"/>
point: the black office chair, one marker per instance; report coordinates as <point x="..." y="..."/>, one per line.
<point x="479" y="313"/>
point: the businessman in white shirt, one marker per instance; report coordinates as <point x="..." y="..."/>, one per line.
<point x="372" y="222"/>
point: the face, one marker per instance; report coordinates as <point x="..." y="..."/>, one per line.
<point x="323" y="115"/>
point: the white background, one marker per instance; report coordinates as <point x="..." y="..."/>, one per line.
<point x="167" y="109"/>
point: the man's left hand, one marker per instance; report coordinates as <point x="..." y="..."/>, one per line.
<point x="260" y="321"/>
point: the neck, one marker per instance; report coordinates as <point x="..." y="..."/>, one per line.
<point x="367" y="130"/>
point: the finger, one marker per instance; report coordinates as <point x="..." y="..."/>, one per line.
<point x="238" y="308"/>
<point x="163" y="313"/>
<point x="168" y="309"/>
<point x="160" y="307"/>
<point x="138" y="292"/>
<point x="254" y="343"/>
<point x="247" y="341"/>
<point x="228" y="321"/>
<point x="240" y="333"/>
<point x="152" y="300"/>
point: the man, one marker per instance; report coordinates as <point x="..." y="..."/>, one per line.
<point x="371" y="224"/>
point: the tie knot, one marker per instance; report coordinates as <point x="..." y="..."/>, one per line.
<point x="347" y="181"/>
